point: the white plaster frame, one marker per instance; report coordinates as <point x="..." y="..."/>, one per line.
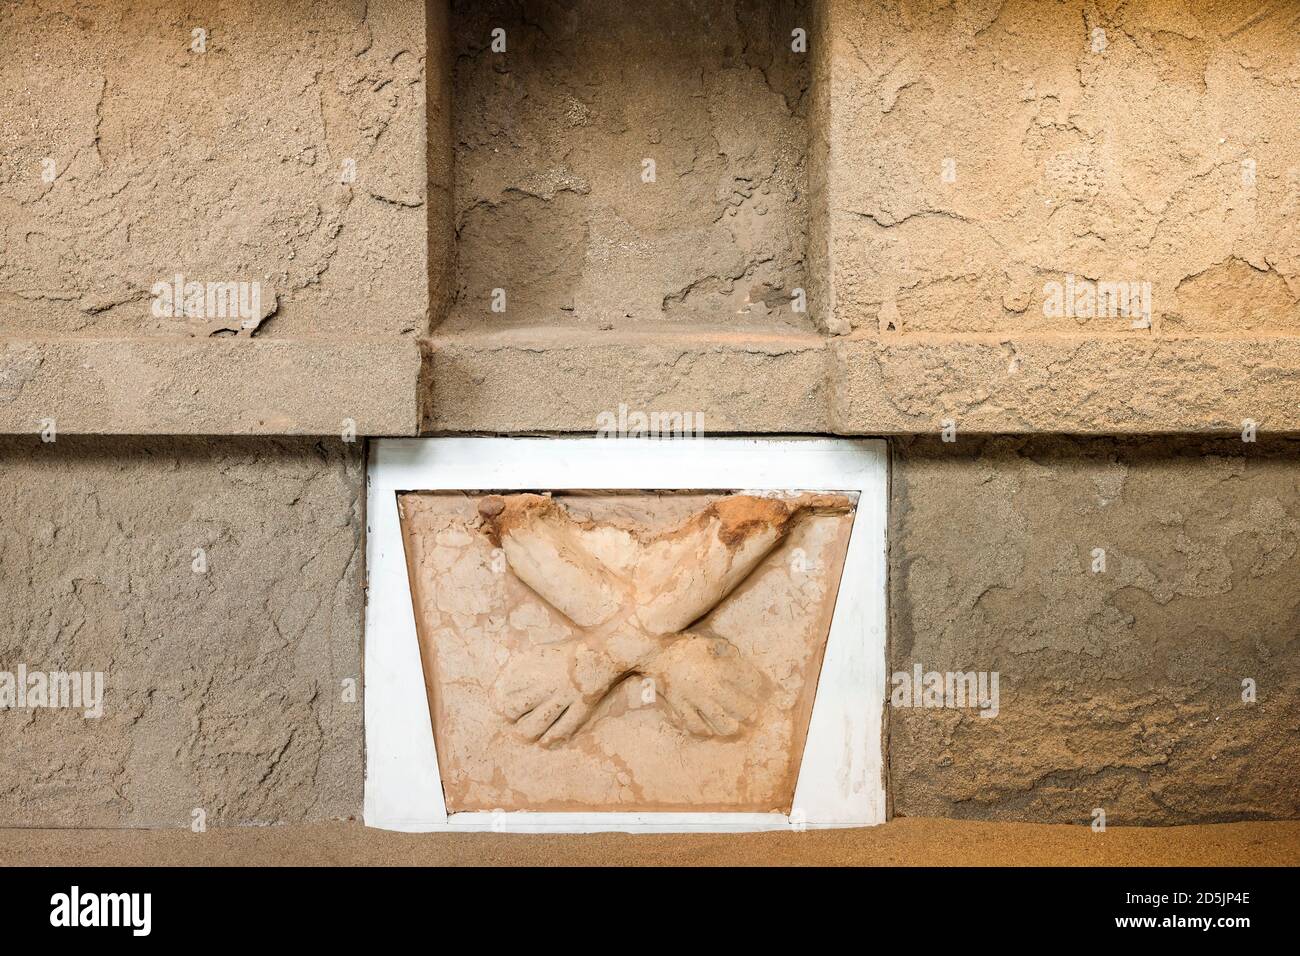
<point x="841" y="778"/>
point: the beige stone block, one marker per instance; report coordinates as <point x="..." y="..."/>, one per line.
<point x="561" y="380"/>
<point x="1121" y="683"/>
<point x="969" y="153"/>
<point x="1078" y="385"/>
<point x="209" y="386"/>
<point x="622" y="651"/>
<point x="223" y="679"/>
<point x="282" y="144"/>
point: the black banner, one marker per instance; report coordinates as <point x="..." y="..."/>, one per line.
<point x="947" y="907"/>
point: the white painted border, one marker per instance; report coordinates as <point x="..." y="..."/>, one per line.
<point x="841" y="780"/>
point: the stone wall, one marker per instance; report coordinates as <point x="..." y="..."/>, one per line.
<point x="378" y="168"/>
<point x="278" y="146"/>
<point x="622" y="164"/>
<point x="1121" y="688"/>
<point x="223" y="689"/>
<point x="229" y="164"/>
<point x="925" y="173"/>
<point x="1108" y="140"/>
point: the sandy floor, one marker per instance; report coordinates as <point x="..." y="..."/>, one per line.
<point x="901" y="842"/>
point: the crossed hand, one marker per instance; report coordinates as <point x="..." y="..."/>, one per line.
<point x="634" y="599"/>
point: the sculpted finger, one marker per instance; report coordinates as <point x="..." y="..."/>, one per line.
<point x="743" y="679"/>
<point x="566" y="725"/>
<point x="734" y="701"/>
<point x="693" y="721"/>
<point x="718" y="719"/>
<point x="516" y="703"/>
<point x="535" y="723"/>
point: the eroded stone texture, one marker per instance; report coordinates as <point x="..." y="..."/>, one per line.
<point x="622" y="651"/>
<point x="1121" y="689"/>
<point x="1116" y="141"/>
<point x="210" y="387"/>
<point x="223" y="689"/>
<point x="551" y="135"/>
<point x="225" y="165"/>
<point x="562" y="380"/>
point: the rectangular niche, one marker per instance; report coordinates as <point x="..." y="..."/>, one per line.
<point x="587" y="634"/>
<point x="554" y="139"/>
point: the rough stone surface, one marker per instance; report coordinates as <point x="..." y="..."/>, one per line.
<point x="1151" y="142"/>
<point x="440" y="159"/>
<point x="552" y="134"/>
<point x="1080" y="385"/>
<point x="207" y="387"/>
<point x="1161" y="150"/>
<point x="224" y="165"/>
<point x="624" y="651"/>
<point x="542" y="380"/>
<point x="563" y="379"/>
<point x="1120" y="690"/>
<point x="223" y="689"/>
<point x="901" y="842"/>
<point x="539" y="380"/>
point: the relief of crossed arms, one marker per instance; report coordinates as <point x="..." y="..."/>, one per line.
<point x="640" y="615"/>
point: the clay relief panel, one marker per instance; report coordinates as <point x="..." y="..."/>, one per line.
<point x="622" y="651"/>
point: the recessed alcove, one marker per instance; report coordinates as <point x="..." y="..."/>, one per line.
<point x="625" y="165"/>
